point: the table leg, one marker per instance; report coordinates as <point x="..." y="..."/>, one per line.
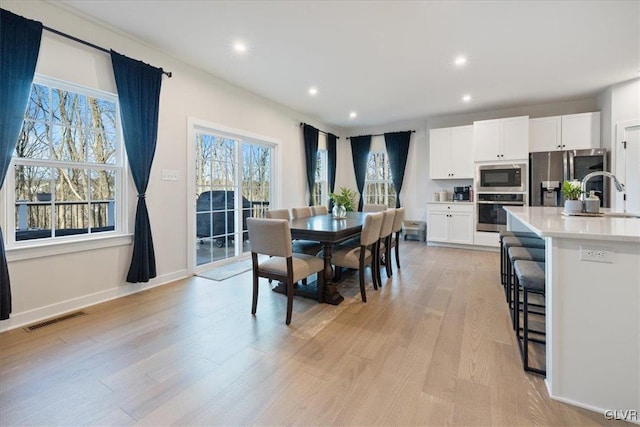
<point x="331" y="294"/>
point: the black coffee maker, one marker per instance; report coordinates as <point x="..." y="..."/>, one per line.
<point x="462" y="193"/>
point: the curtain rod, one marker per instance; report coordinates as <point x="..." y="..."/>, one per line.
<point x="86" y="43"/>
<point x="378" y="134"/>
<point x="321" y="131"/>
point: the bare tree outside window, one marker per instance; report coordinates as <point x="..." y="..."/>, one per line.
<point x="66" y="164"/>
<point x="379" y="188"/>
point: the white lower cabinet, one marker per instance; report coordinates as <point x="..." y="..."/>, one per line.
<point x="450" y="223"/>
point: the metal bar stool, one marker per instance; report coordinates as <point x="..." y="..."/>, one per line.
<point x="529" y="276"/>
<point x="516" y="253"/>
<point x="503" y="255"/>
<point x="509" y="241"/>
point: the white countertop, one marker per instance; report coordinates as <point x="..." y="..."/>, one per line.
<point x="549" y="222"/>
<point x="457" y="202"/>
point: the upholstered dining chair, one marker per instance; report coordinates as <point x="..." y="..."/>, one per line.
<point x="362" y="255"/>
<point x="395" y="235"/>
<point x="278" y="214"/>
<point x="319" y="210"/>
<point x="384" y="247"/>
<point x="373" y="207"/>
<point x="302" y="212"/>
<point x="273" y="237"/>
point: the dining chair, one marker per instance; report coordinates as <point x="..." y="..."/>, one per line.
<point x="373" y="207"/>
<point x="302" y="212"/>
<point x="319" y="210"/>
<point x="395" y="235"/>
<point x="384" y="246"/>
<point x="362" y="255"/>
<point x="273" y="237"/>
<point x="278" y="214"/>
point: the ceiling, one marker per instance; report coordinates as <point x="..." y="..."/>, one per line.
<point x="390" y="60"/>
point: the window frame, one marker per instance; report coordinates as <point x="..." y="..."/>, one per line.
<point x="388" y="182"/>
<point x="31" y="248"/>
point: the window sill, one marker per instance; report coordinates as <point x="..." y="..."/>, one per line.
<point x="18" y="253"/>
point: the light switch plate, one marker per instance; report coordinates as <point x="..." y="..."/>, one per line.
<point x="169" y="175"/>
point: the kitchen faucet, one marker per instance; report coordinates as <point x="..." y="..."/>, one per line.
<point x="618" y="184"/>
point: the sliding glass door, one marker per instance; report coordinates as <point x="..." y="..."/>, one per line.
<point x="233" y="182"/>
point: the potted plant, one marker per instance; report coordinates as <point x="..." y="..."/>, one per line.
<point x="572" y="192"/>
<point x="342" y="202"/>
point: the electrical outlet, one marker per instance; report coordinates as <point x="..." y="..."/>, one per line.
<point x="169" y="175"/>
<point x="596" y="254"/>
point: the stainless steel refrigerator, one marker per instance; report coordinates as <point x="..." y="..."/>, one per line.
<point x="547" y="171"/>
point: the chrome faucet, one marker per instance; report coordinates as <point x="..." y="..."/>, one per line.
<point x="618" y="184"/>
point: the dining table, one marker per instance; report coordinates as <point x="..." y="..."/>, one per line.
<point x="328" y="231"/>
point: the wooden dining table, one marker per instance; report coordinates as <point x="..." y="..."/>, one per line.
<point x="328" y="231"/>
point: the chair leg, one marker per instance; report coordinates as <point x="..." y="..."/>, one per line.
<point x="289" y="300"/>
<point x="363" y="292"/>
<point x="398" y="250"/>
<point x="254" y="304"/>
<point x="374" y="265"/>
<point x="387" y="257"/>
<point x="378" y="265"/>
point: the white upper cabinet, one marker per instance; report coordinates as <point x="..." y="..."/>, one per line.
<point x="545" y="134"/>
<point x="450" y="153"/>
<point x="580" y="131"/>
<point x="570" y="132"/>
<point x="501" y="139"/>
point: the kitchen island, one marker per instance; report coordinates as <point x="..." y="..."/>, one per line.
<point x="592" y="306"/>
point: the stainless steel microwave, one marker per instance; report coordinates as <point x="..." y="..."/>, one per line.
<point x="508" y="177"/>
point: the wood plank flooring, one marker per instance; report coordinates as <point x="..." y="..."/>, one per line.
<point x="433" y="347"/>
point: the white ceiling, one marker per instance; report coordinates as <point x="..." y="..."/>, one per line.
<point x="392" y="60"/>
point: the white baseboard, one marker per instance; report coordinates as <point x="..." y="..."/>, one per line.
<point x="42" y="313"/>
<point x="461" y="246"/>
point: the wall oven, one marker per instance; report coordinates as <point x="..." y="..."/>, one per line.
<point x="491" y="215"/>
<point x="510" y="177"/>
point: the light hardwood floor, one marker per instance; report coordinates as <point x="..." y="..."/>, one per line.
<point x="432" y="347"/>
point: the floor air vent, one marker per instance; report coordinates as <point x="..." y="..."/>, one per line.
<point x="55" y="320"/>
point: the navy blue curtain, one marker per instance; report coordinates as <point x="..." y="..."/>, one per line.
<point x="397" y="144"/>
<point x="331" y="166"/>
<point x="360" y="146"/>
<point x="139" y="95"/>
<point x="19" y="47"/>
<point x="310" y="156"/>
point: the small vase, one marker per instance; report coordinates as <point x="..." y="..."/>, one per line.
<point x="573" y="206"/>
<point x="339" y="211"/>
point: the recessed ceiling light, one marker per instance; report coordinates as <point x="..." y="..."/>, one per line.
<point x="460" y="60"/>
<point x="239" y="47"/>
<point x="352" y="115"/>
<point x="466" y="98"/>
<point x="313" y="91"/>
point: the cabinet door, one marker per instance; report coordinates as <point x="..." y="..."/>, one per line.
<point x="440" y="153"/>
<point x="461" y="227"/>
<point x="462" y="152"/>
<point x="515" y="138"/>
<point x="438" y="226"/>
<point x="487" y="135"/>
<point x="545" y="134"/>
<point x="581" y="131"/>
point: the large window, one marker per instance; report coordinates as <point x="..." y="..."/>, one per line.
<point x="67" y="164"/>
<point x="378" y="183"/>
<point x="321" y="187"/>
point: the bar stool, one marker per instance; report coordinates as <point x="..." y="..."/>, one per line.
<point x="516" y="253"/>
<point x="509" y="241"/>
<point x="529" y="276"/>
<point x="503" y="234"/>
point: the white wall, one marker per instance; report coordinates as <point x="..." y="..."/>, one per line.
<point x="619" y="103"/>
<point x="46" y="286"/>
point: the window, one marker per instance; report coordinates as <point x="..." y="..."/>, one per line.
<point x="378" y="186"/>
<point x="67" y="165"/>
<point x="321" y="188"/>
